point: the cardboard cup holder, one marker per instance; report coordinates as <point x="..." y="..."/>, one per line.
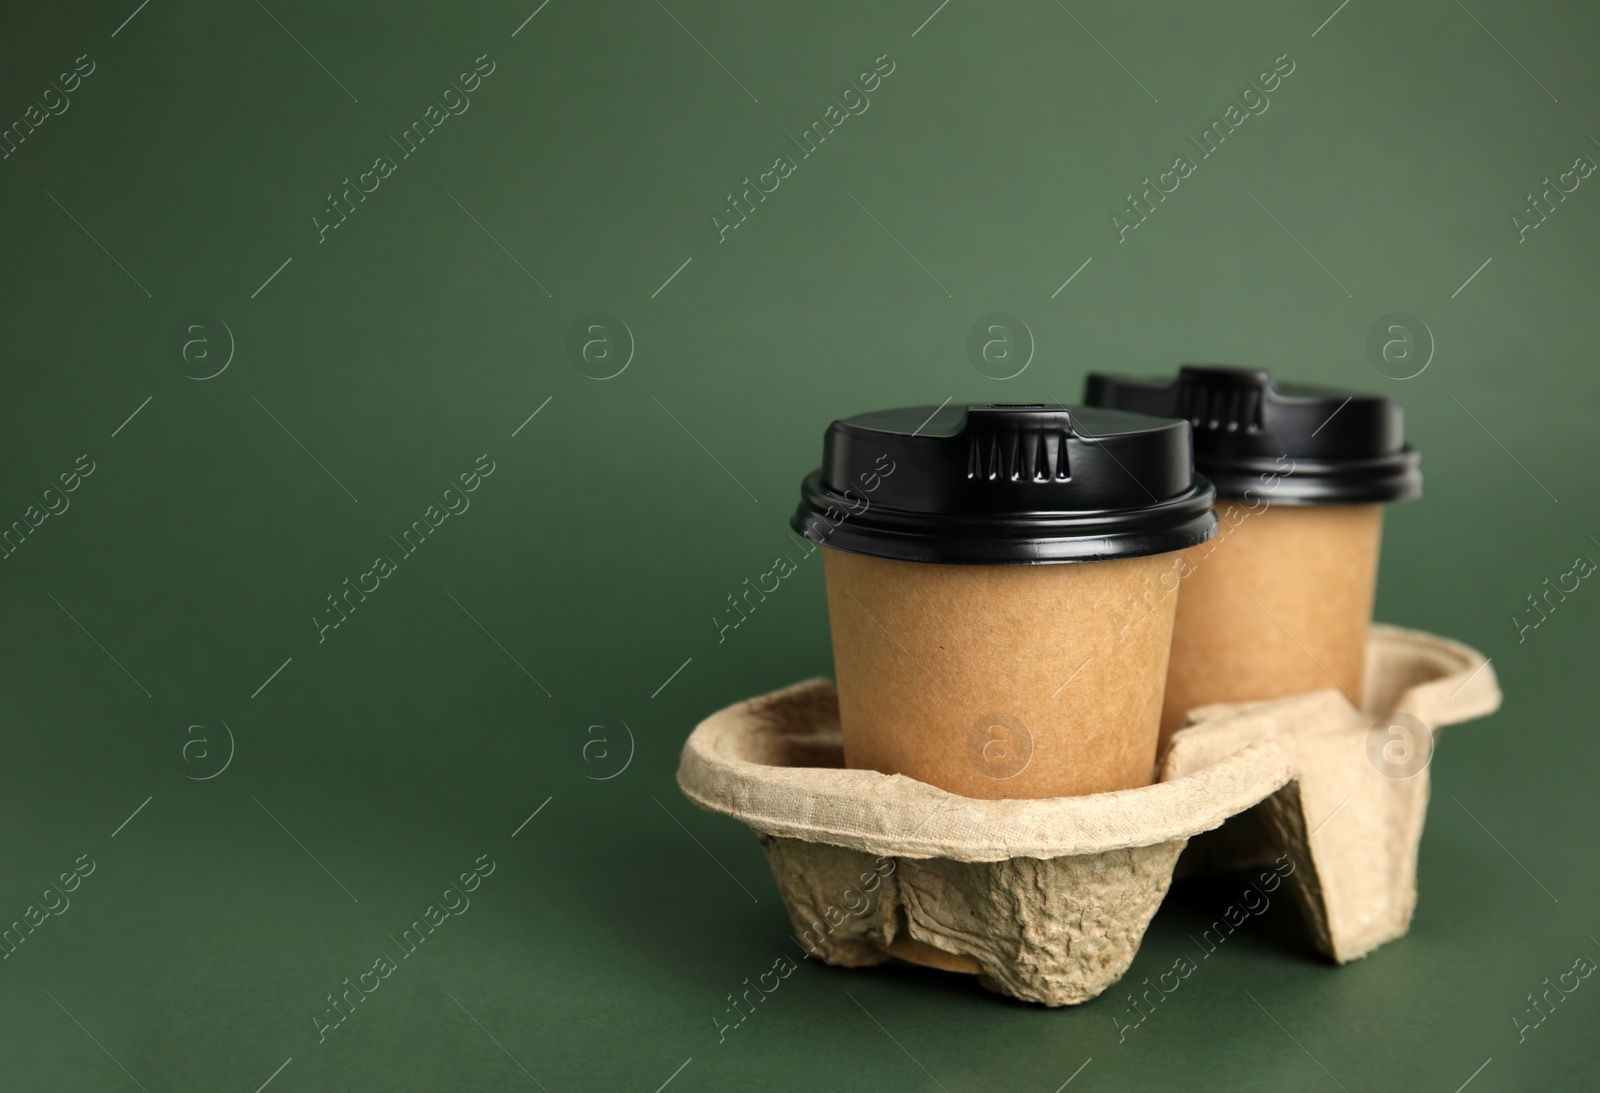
<point x="1047" y="899"/>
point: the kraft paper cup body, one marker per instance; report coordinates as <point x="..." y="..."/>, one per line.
<point x="1278" y="604"/>
<point x="1002" y="681"/>
<point x="995" y="591"/>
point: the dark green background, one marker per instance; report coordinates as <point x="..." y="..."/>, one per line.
<point x="408" y="343"/>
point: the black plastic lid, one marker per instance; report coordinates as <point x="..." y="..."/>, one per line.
<point x="1006" y="485"/>
<point x="1314" y="445"/>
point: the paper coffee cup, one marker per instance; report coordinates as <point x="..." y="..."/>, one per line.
<point x="990" y="573"/>
<point x="1280" y="602"/>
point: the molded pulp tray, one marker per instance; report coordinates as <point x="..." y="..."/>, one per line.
<point x="1048" y="899"/>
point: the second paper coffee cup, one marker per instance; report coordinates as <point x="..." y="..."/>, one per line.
<point x="1281" y="601"/>
<point x="986" y="568"/>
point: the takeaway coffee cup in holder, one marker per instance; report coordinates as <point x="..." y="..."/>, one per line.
<point x="993" y="577"/>
<point x="1279" y="603"/>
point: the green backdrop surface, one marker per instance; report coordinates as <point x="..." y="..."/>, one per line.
<point x="193" y="187"/>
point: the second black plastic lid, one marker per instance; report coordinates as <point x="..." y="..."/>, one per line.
<point x="1291" y="443"/>
<point x="1006" y="485"/>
